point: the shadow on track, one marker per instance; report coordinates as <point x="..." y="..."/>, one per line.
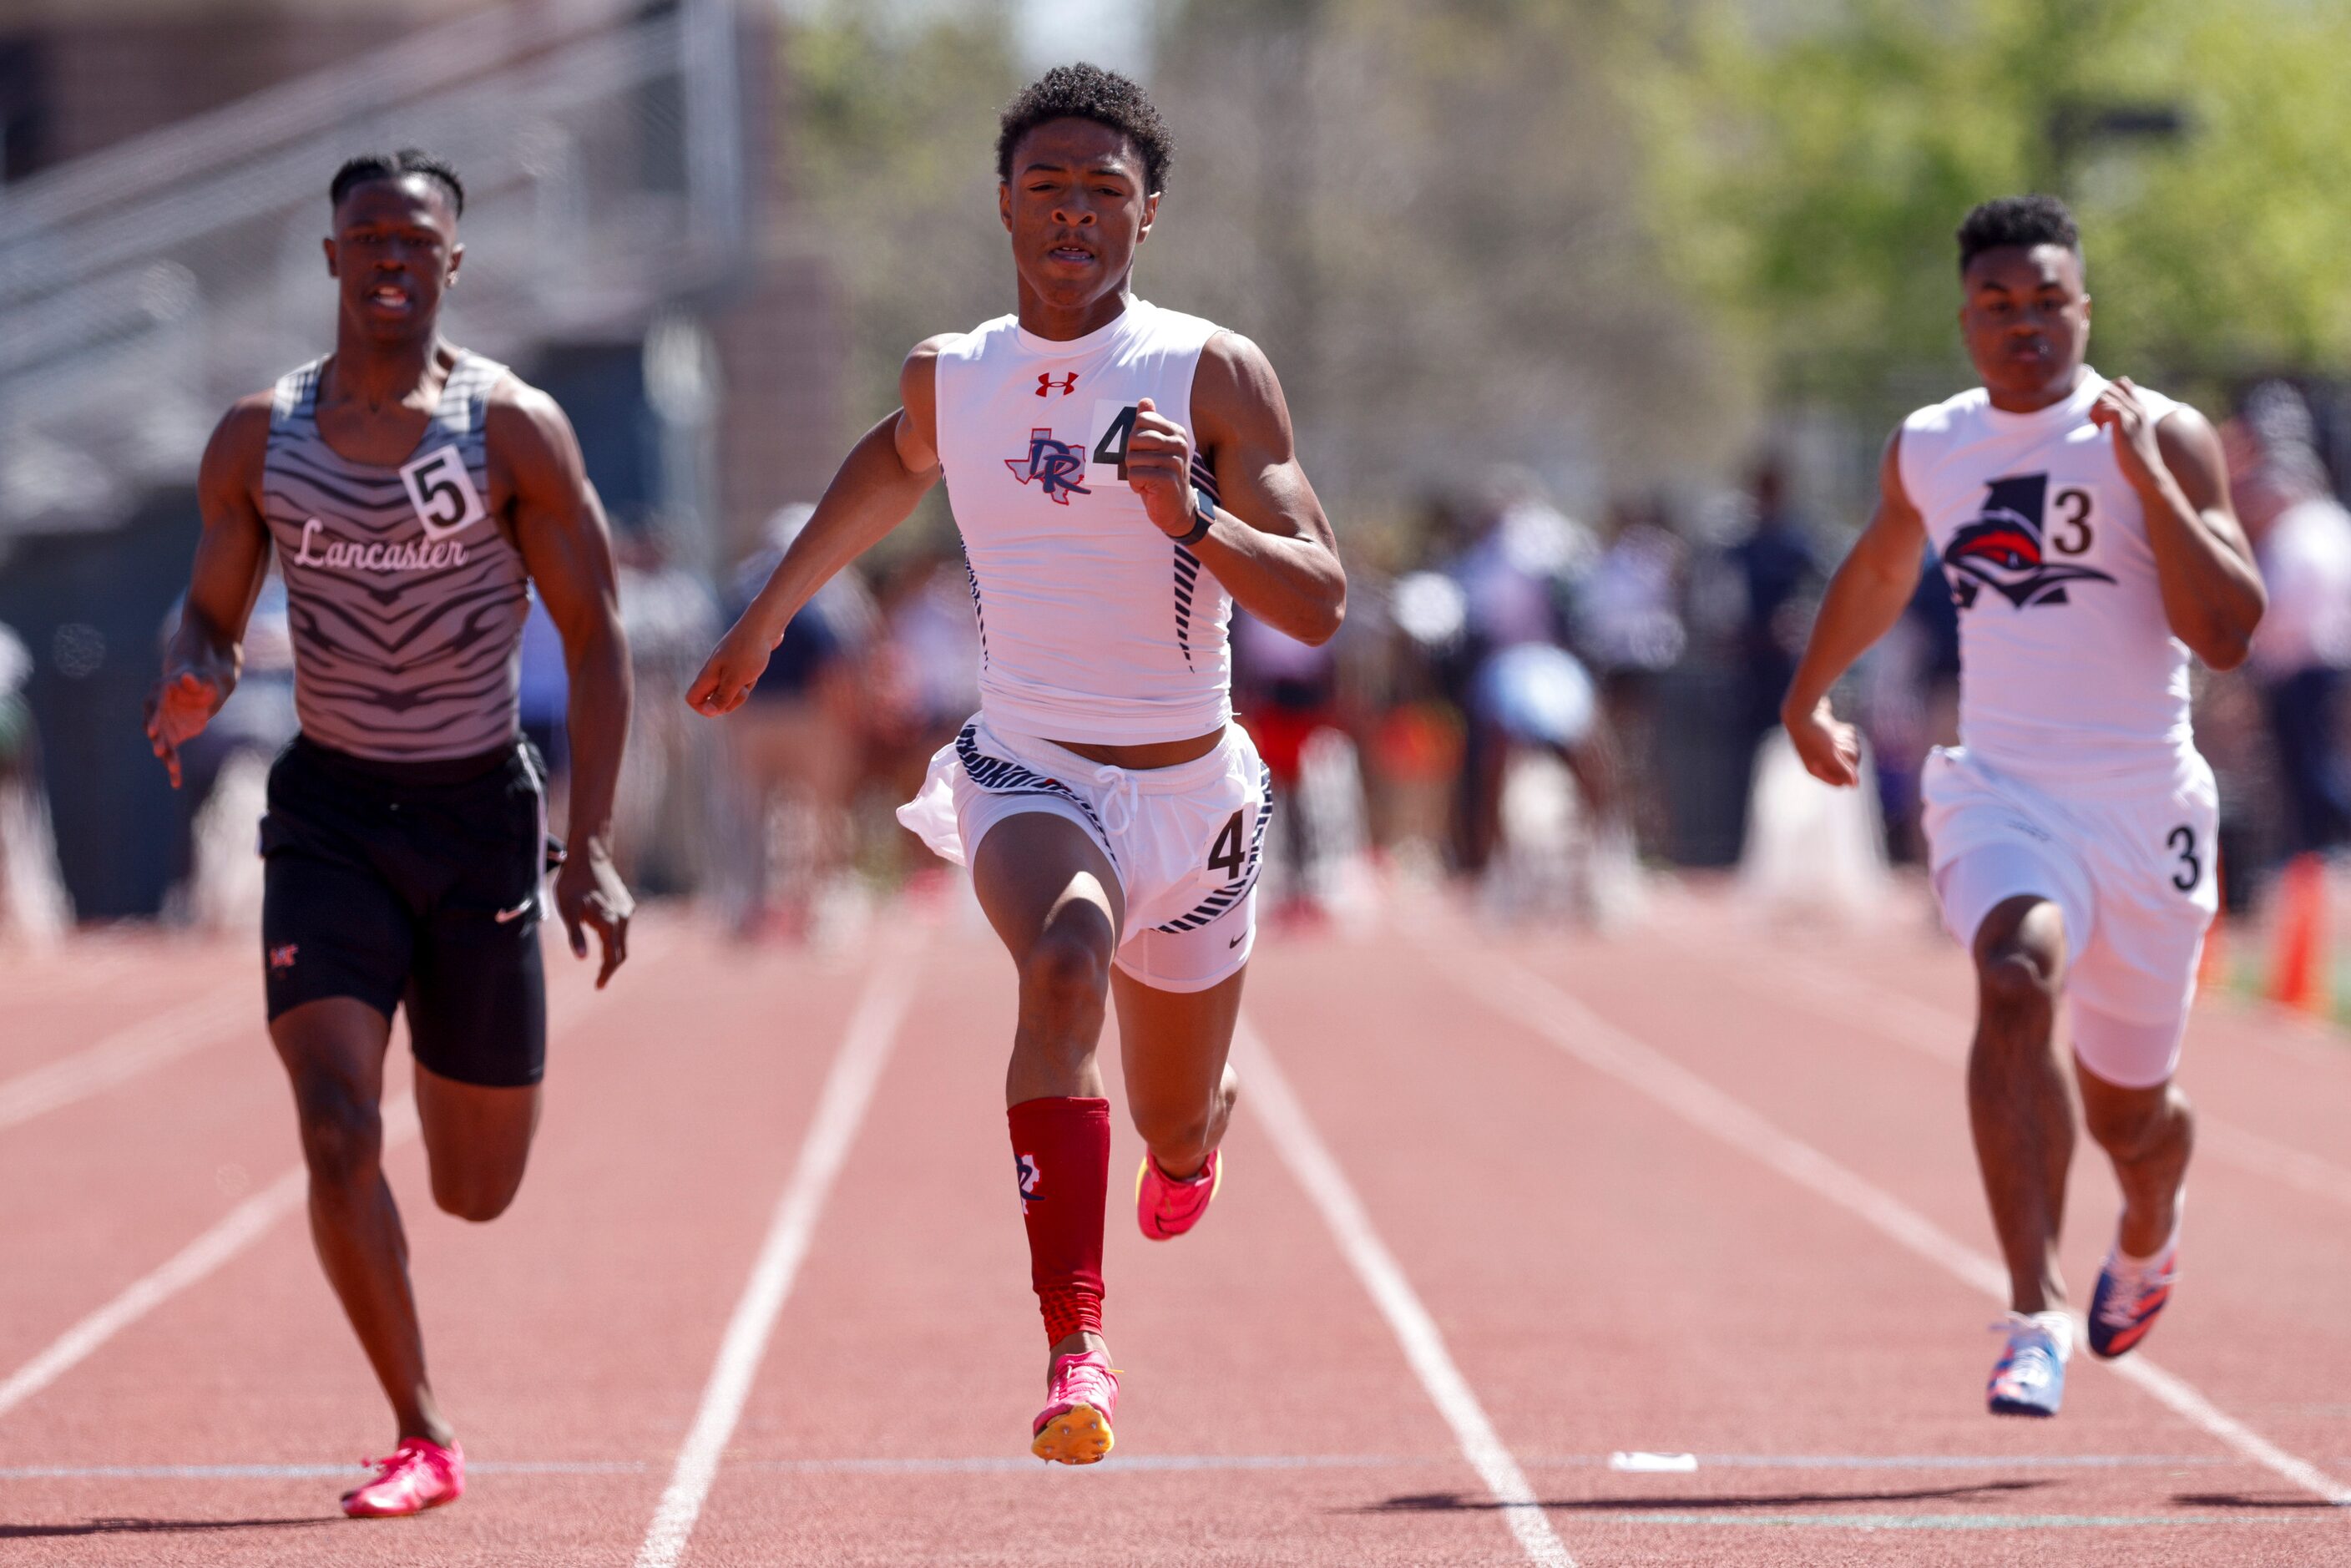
<point x="1446" y="1502"/>
<point x="159" y="1526"/>
<point x="2248" y="1499"/>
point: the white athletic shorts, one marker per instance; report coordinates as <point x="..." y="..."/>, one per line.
<point x="1185" y="840"/>
<point x="2129" y="867"/>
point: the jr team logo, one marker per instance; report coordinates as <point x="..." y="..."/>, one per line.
<point x="2008" y="549"/>
<point x="1055" y="464"/>
<point x="1026" y="1166"/>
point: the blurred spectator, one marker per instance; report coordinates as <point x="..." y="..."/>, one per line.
<point x="669" y="773"/>
<point x="1779" y="577"/>
<point x="926" y="684"/>
<point x="2302" y="539"/>
<point x="33" y="903"/>
<point x="544" y="697"/>
<point x="1287" y="692"/>
<point x="796" y="750"/>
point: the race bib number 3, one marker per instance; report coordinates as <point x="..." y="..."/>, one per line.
<point x="442" y="492"/>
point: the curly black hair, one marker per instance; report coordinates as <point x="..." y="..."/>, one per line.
<point x="2022" y="221"/>
<point x="1084" y="91"/>
<point x="371" y="166"/>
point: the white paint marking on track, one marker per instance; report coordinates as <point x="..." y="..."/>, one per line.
<point x="1583" y="1034"/>
<point x="1942" y="1034"/>
<point x="840" y="1112"/>
<point x="235" y="1231"/>
<point x="124" y="1054"/>
<point x="1311" y="1161"/>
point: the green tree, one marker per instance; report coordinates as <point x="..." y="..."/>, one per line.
<point x="1809" y="165"/>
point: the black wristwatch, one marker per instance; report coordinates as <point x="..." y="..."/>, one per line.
<point x="1203" y="516"/>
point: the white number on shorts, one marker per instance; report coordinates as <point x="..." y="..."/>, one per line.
<point x="1226" y="855"/>
<point x="2182" y="841"/>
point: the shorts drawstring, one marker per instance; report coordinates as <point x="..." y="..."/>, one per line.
<point x="1119" y="800"/>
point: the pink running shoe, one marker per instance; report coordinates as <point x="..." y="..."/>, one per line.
<point x="1167" y="1208"/>
<point x="417" y="1475"/>
<point x="1081" y="1399"/>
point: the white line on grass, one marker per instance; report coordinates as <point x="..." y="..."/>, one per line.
<point x="1576" y="1030"/>
<point x="125" y="1054"/>
<point x="840" y="1111"/>
<point x="1318" y="1171"/>
<point x="235" y="1231"/>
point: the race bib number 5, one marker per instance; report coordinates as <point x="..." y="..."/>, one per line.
<point x="442" y="492"/>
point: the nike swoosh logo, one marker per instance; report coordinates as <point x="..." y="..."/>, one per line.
<point x="509" y="916"/>
<point x="1235" y="941"/>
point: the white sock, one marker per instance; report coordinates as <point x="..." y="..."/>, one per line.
<point x="2124" y="1263"/>
<point x="2060" y="1326"/>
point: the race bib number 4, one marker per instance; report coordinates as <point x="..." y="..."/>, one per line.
<point x="442" y="492"/>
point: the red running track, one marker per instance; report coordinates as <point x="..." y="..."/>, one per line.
<point x="1499" y="1205"/>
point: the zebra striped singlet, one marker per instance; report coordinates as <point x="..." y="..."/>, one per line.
<point x="405" y="596"/>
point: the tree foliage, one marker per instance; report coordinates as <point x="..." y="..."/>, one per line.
<point x="1809" y="165"/>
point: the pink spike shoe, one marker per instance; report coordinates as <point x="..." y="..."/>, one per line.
<point x="417" y="1475"/>
<point x="1081" y="1399"/>
<point x="1165" y="1208"/>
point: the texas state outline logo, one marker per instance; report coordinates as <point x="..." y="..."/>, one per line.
<point x="2004" y="548"/>
<point x="1054" y="464"/>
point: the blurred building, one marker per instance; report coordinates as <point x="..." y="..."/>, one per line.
<point x="630" y="247"/>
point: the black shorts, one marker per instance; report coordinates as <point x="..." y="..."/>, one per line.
<point x="414" y="884"/>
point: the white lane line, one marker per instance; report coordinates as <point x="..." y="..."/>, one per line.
<point x="126" y="1053"/>
<point x="1317" y="1170"/>
<point x="1510" y="989"/>
<point x="235" y="1231"/>
<point x="840" y="1111"/>
<point x="1943" y="1035"/>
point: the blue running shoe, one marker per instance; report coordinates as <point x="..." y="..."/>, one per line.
<point x="2127" y="1302"/>
<point x="2029" y="1379"/>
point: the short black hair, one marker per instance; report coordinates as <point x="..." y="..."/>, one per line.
<point x="2020" y="221"/>
<point x="371" y="166"/>
<point x="1084" y="91"/>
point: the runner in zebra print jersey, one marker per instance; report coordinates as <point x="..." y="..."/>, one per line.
<point x="415" y="493"/>
<point x="1121" y="473"/>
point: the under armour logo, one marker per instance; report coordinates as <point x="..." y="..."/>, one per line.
<point x="1055" y="464"/>
<point x="1067" y="385"/>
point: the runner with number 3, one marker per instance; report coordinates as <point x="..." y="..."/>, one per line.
<point x="1121" y="475"/>
<point x="2084" y="528"/>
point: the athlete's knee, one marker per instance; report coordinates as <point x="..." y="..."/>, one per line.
<point x="2016" y="985"/>
<point x="342" y="1137"/>
<point x="473" y="1196"/>
<point x="1064" y="979"/>
<point x="1175" y="1129"/>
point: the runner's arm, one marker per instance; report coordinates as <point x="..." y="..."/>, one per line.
<point x="206" y="653"/>
<point x="2213" y="595"/>
<point x="1864" y="599"/>
<point x="566" y="547"/>
<point x="1269" y="545"/>
<point x="888" y="471"/>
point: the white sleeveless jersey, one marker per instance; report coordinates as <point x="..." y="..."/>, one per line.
<point x="2068" y="669"/>
<point x="1094" y="626"/>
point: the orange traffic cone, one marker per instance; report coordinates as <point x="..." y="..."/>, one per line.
<point x="2298" y="977"/>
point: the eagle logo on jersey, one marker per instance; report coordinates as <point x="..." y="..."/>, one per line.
<point x="2003" y="550"/>
<point x="1055" y="464"/>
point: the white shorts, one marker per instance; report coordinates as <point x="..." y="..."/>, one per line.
<point x="1185" y="840"/>
<point x="2130" y="869"/>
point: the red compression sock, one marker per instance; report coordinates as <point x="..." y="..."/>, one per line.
<point x="1063" y="1148"/>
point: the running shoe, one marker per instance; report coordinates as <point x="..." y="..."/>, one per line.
<point x="417" y="1475"/>
<point x="2127" y="1301"/>
<point x="1167" y="1208"/>
<point x="2029" y="1379"/>
<point x="1081" y="1399"/>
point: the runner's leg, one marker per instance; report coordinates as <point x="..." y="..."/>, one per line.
<point x="2017" y="1101"/>
<point x="1055" y="901"/>
<point x="2147" y="1134"/>
<point x="477" y="1141"/>
<point x="333" y="1050"/>
<point x="1172" y="1046"/>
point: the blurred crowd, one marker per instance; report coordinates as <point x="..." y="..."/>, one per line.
<point x="1533" y="703"/>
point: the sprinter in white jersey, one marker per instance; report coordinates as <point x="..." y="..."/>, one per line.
<point x="2084" y="528"/>
<point x="1121" y="473"/>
